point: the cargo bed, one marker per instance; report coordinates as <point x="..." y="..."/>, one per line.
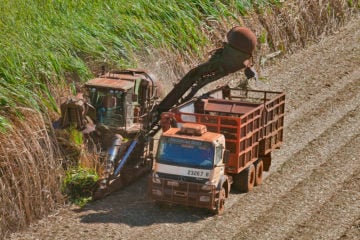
<point x="251" y="121"/>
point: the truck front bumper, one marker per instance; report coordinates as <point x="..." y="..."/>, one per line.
<point x="184" y="193"/>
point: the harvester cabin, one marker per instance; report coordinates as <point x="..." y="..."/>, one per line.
<point x="120" y="98"/>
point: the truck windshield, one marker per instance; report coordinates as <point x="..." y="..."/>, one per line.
<point x="185" y="152"/>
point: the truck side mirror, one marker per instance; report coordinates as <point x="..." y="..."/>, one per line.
<point x="226" y="156"/>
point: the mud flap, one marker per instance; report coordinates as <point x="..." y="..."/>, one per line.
<point x="267" y="162"/>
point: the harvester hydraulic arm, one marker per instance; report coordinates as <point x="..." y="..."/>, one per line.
<point x="236" y="54"/>
<point x="219" y="65"/>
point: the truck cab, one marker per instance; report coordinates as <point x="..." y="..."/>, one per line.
<point x="190" y="168"/>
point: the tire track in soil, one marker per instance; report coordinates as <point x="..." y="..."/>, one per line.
<point x="309" y="73"/>
<point x="339" y="216"/>
<point x="324" y="94"/>
<point x="308" y="196"/>
<point x="323" y="113"/>
<point x="353" y="232"/>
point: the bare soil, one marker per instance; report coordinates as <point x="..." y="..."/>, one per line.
<point x="311" y="192"/>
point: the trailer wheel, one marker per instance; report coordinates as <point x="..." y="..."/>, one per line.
<point x="259" y="168"/>
<point x="220" y="204"/>
<point x="245" y="180"/>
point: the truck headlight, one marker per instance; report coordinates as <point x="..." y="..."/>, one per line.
<point x="157" y="192"/>
<point x="204" y="199"/>
<point x="173" y="183"/>
<point x="208" y="186"/>
<point x="156" y="178"/>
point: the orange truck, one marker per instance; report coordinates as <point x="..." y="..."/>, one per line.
<point x="221" y="139"/>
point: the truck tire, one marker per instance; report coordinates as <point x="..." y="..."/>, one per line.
<point x="220" y="204"/>
<point x="259" y="168"/>
<point x="245" y="180"/>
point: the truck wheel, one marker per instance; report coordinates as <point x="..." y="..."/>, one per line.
<point x="259" y="168"/>
<point x="220" y="205"/>
<point x="245" y="180"/>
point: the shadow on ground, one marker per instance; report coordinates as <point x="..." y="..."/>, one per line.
<point x="133" y="207"/>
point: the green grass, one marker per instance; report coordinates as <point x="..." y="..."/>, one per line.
<point x="46" y="44"/>
<point x="4" y="124"/>
<point x="78" y="185"/>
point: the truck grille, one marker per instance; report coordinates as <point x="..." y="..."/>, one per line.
<point x="181" y="192"/>
<point x="182" y="178"/>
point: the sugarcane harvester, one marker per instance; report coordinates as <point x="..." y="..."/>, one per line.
<point x="127" y="162"/>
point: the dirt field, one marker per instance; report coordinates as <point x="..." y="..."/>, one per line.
<point x="311" y="192"/>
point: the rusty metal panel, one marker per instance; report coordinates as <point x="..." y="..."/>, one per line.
<point x="273" y="118"/>
<point x="113" y="83"/>
<point x="231" y="107"/>
<point x="207" y="136"/>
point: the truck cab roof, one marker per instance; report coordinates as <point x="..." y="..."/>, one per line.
<point x="207" y="136"/>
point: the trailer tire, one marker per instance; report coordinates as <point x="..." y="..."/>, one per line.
<point x="220" y="204"/>
<point x="245" y="180"/>
<point x="259" y="169"/>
